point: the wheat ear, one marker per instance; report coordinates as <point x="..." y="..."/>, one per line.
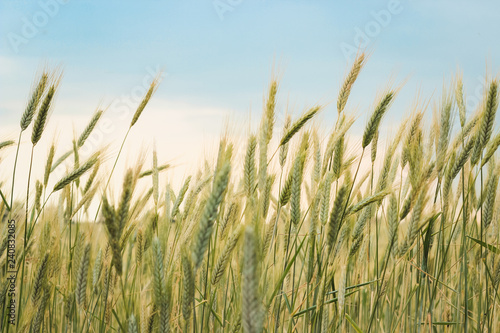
<point x="75" y="174"/>
<point x="209" y="214"/>
<point x="41" y="119"/>
<point x="345" y="91"/>
<point x="374" y="122"/>
<point x="251" y="312"/>
<point x="90" y="127"/>
<point x="298" y="124"/>
<point x="36" y="96"/>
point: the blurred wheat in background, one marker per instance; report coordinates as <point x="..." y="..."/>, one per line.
<point x="292" y="232"/>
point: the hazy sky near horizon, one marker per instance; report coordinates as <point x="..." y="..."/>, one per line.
<point x="218" y="57"/>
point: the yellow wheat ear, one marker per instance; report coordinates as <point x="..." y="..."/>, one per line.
<point x="152" y="89"/>
<point x="345" y="91"/>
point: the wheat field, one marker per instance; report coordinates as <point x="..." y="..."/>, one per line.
<point x="300" y="234"/>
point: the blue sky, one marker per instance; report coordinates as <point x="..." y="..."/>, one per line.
<point x="218" y="56"/>
<point x="104" y="46"/>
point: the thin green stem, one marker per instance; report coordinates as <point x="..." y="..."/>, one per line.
<point x="111" y="173"/>
<point x="25" y="242"/>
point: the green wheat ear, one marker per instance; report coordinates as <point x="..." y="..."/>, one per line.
<point x="40" y="311"/>
<point x="209" y="214"/>
<point x="48" y="165"/>
<point x="40" y="279"/>
<point x="335" y="217"/>
<point x="445" y="127"/>
<point x="82" y="276"/>
<point x="269" y="110"/>
<point x="487" y="120"/>
<point x="158" y="272"/>
<point x="284" y="147"/>
<point x="36" y="96"/>
<point x="266" y="133"/>
<point x="393" y="223"/>
<point x="41" y="119"/>
<point x="374" y="122"/>
<point x="345" y="91"/>
<point x="90" y="127"/>
<point x="298" y="124"/>
<point x="295" y="189"/>
<point x="6" y="143"/>
<point x="225" y="256"/>
<point x="152" y="89"/>
<point x="188" y="283"/>
<point x="249" y="167"/>
<point x="179" y="198"/>
<point x="489" y="202"/>
<point x="459" y="98"/>
<point x="251" y="308"/>
<point x="75" y="174"/>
